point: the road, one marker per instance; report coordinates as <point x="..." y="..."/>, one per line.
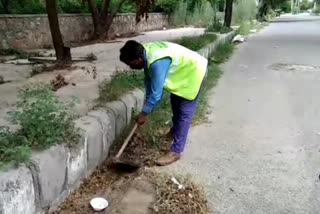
<point x="260" y="151"/>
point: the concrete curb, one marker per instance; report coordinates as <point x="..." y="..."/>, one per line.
<point x="43" y="183"/>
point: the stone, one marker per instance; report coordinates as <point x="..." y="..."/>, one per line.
<point x="50" y="167"/>
<point x="119" y="110"/>
<point x="93" y="138"/>
<point x="17" y="193"/>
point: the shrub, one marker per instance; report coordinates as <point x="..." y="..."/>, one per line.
<point x="244" y="10"/>
<point x="202" y="15"/>
<point x="179" y="15"/>
<point x="44" y="120"/>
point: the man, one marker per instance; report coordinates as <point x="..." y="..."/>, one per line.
<point x="173" y="68"/>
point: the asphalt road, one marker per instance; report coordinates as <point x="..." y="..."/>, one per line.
<point x="260" y="151"/>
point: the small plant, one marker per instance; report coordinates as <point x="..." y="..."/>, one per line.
<point x="216" y="26"/>
<point x="13" y="147"/>
<point x="196" y="43"/>
<point x="121" y="83"/>
<point x="44" y="120"/>
<point x="91" y="57"/>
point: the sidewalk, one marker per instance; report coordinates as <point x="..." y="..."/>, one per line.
<point x="86" y="89"/>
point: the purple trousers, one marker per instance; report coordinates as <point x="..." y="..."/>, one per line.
<point x="183" y="111"/>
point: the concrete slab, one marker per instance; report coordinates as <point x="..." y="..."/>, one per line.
<point x="93" y="138"/>
<point x="17" y="192"/>
<point x="51" y="168"/>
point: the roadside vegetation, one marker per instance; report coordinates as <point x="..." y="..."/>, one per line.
<point x="41" y="120"/>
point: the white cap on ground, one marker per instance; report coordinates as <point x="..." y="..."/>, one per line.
<point x="99" y="204"/>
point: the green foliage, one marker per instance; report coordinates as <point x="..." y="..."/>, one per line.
<point x="221" y="5"/>
<point x="306" y="5"/>
<point x="121" y="83"/>
<point x="244" y="10"/>
<point x="196" y="43"/>
<point x="286" y="6"/>
<point x="43" y="121"/>
<point x="202" y="15"/>
<point x="216" y="26"/>
<point x="316" y="11"/>
<point x="19" y="54"/>
<point x="245" y="28"/>
<point x="166" y="6"/>
<point x="13" y="147"/>
<point x="179" y="15"/>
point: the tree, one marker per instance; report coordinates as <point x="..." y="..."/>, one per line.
<point x="5" y="5"/>
<point x="62" y="53"/>
<point x="228" y="13"/>
<point x="103" y="17"/>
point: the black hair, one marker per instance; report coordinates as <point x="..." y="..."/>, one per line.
<point x="132" y="50"/>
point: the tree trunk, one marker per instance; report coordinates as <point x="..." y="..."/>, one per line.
<point x="103" y="19"/>
<point x="228" y="13"/>
<point x="62" y="52"/>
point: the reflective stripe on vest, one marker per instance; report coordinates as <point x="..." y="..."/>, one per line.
<point x="186" y="71"/>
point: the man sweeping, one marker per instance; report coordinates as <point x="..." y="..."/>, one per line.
<point x="173" y="68"/>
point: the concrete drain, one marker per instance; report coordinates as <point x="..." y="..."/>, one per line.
<point x="294" y="67"/>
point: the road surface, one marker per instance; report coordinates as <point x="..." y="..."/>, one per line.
<point x="260" y="151"/>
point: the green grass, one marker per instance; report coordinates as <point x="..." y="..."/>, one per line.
<point x="121" y="83"/>
<point x="19" y="54"/>
<point x="196" y="43"/>
<point x="43" y="121"/>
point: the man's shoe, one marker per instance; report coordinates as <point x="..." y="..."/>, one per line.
<point x="168" y="158"/>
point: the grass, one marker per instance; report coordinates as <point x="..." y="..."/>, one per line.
<point x="196" y="43"/>
<point x="121" y="83"/>
<point x="19" y="54"/>
<point x="43" y="121"/>
<point x="245" y="27"/>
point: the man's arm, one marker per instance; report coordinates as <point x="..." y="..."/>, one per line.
<point x="154" y="87"/>
<point x="159" y="70"/>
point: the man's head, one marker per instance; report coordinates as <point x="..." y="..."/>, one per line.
<point x="132" y="54"/>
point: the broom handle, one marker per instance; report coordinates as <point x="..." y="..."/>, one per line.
<point x="124" y="145"/>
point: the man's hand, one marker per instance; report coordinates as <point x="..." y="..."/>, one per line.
<point x="142" y="118"/>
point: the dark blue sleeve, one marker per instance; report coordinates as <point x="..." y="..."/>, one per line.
<point x="159" y="70"/>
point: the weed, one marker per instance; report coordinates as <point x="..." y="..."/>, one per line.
<point x="44" y="121"/>
<point x="20" y="54"/>
<point x="121" y="83"/>
<point x="198" y="42"/>
<point x="91" y="57"/>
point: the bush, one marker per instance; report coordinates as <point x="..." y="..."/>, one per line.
<point x="179" y="15"/>
<point x="316" y="11"/>
<point x="245" y="28"/>
<point x="216" y="26"/>
<point x="244" y="10"/>
<point x="196" y="43"/>
<point x="270" y="15"/>
<point x="43" y="121"/>
<point x="202" y="15"/>
<point x="166" y="6"/>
